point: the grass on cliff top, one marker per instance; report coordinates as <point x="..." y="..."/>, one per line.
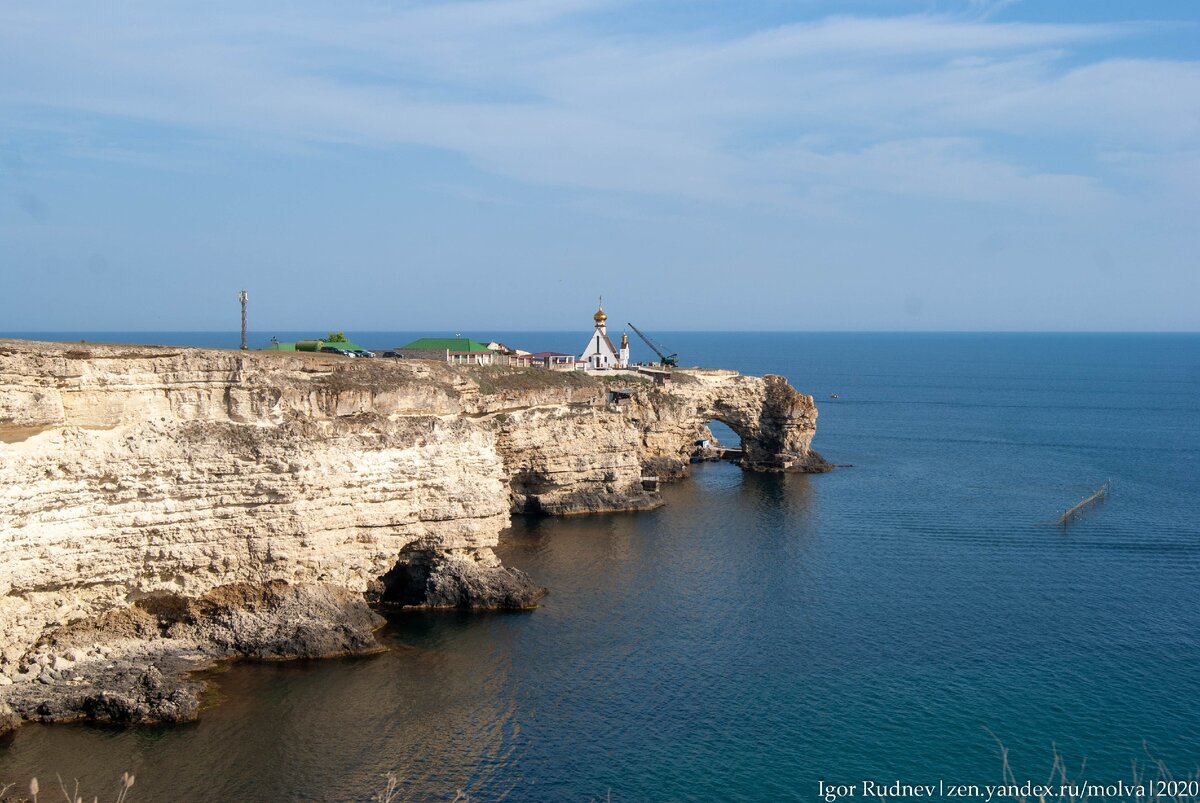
<point x="500" y="378"/>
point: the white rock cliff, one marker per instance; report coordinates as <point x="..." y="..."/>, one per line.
<point x="130" y="474"/>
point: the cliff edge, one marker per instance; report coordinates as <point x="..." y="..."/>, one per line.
<point x="164" y="507"/>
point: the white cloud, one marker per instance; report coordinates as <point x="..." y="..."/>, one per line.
<point x="535" y="90"/>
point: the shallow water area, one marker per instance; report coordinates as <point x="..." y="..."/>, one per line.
<point x="760" y="633"/>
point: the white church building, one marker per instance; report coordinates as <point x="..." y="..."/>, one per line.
<point x="600" y="354"/>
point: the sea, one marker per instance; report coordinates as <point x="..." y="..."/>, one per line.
<point x="914" y="617"/>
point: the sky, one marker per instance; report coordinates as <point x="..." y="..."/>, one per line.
<point x="500" y="164"/>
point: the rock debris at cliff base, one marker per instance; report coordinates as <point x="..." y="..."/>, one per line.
<point x="433" y="579"/>
<point x="135" y="665"/>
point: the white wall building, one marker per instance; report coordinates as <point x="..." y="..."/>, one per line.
<point x="600" y="353"/>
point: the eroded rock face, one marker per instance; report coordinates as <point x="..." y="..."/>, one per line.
<point x="9" y="721"/>
<point x="130" y="475"/>
<point x="438" y="579"/>
<point x="149" y="698"/>
<point x="776" y="423"/>
<point x="127" y="473"/>
<point x="131" y="665"/>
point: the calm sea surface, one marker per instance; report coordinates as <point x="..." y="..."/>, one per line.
<point x="761" y="633"/>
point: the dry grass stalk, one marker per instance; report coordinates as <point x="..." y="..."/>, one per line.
<point x="391" y="791"/>
<point x="1073" y="787"/>
<point x="72" y="795"/>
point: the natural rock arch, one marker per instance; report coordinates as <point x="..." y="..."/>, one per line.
<point x="314" y="479"/>
<point x="775" y="423"/>
<point x="719" y="433"/>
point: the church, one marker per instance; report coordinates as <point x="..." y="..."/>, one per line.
<point x="600" y="353"/>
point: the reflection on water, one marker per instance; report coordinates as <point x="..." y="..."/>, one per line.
<point x="311" y="731"/>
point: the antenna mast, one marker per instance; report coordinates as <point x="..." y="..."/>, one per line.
<point x="242" y="297"/>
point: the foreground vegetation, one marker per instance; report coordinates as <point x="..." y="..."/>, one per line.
<point x="1151" y="781"/>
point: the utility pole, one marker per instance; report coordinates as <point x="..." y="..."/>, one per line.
<point x="242" y="297"/>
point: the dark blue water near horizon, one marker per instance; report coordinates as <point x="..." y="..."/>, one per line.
<point x="760" y="633"/>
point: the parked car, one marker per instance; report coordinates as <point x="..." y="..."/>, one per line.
<point x="395" y="354"/>
<point x="364" y="353"/>
<point x="336" y="350"/>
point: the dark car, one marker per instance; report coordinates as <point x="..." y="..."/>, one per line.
<point x="336" y="350"/>
<point x="394" y="354"/>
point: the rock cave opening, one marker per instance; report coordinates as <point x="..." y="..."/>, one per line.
<point x="404" y="584"/>
<point x="721" y="442"/>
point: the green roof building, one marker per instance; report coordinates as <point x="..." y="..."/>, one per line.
<point x="460" y="350"/>
<point x="457" y="345"/>
<point x="336" y="339"/>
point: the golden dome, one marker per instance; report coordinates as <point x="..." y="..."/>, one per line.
<point x="600" y="317"/>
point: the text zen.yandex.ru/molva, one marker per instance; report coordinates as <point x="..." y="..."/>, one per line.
<point x="941" y="789"/>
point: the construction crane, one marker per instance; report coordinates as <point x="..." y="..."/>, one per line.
<point x="665" y="359"/>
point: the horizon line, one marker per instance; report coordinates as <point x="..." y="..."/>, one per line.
<point x="235" y="331"/>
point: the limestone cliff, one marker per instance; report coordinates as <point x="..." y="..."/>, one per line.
<point x="135" y="474"/>
<point x="775" y="423"/>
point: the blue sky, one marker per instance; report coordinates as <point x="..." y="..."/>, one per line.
<point x="703" y="165"/>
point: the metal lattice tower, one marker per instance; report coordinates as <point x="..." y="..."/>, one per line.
<point x="242" y="297"/>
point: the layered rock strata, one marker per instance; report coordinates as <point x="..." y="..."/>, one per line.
<point x="776" y="424"/>
<point x="137" y="478"/>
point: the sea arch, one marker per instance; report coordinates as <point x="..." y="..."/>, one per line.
<point x="774" y="422"/>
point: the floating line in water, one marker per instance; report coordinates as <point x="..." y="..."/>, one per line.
<point x="1099" y="496"/>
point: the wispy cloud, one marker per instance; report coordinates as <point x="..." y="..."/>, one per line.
<point x="947" y="170"/>
<point x="986" y="9"/>
<point x="559" y="93"/>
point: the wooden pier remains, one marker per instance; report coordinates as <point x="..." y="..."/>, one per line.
<point x="1099" y="496"/>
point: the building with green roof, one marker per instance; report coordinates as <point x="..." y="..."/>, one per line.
<point x="335" y="339"/>
<point x="459" y="350"/>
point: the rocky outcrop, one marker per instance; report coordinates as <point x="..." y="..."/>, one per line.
<point x="134" y="479"/>
<point x="776" y="424"/>
<point x="9" y="721"/>
<point x="435" y="579"/>
<point x="589" y="453"/>
<point x="131" y="665"/>
<point x="584" y="457"/>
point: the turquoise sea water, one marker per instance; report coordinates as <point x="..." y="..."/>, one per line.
<point x="762" y="633"/>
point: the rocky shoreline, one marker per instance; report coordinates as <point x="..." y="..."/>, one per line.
<point x="138" y="665"/>
<point x="134" y="665"/>
<point x="164" y="509"/>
